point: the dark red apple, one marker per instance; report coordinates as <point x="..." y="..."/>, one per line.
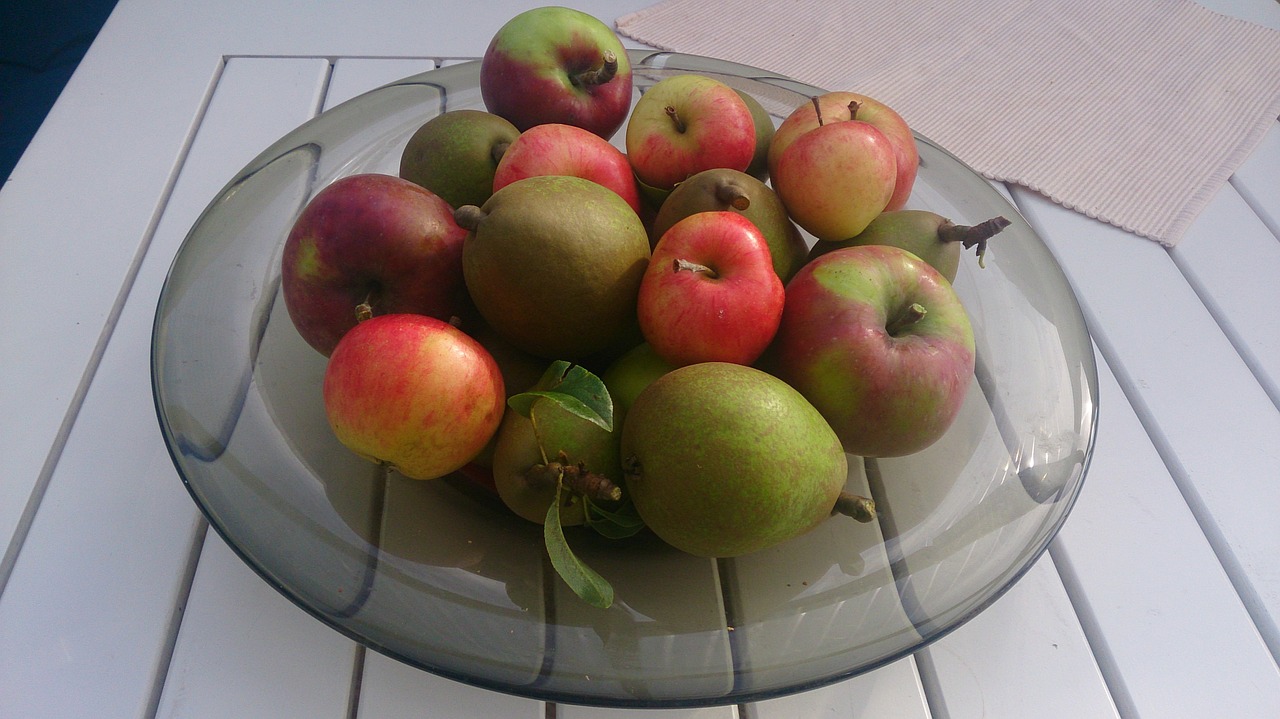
<point x="373" y="243"/>
<point x="556" y="64"/>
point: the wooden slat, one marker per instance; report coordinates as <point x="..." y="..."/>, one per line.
<point x="1213" y="424"/>
<point x="1154" y="600"/>
<point x="893" y="690"/>
<point x="103" y="569"/>
<point x="393" y="689"/>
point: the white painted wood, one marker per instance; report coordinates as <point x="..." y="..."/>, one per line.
<point x="393" y="689"/>
<point x="1155" y="602"/>
<point x="246" y="651"/>
<point x="1215" y="425"/>
<point x="1256" y="179"/>
<point x="572" y="711"/>
<point x="1220" y="256"/>
<point x="1025" y="655"/>
<point x="353" y="76"/>
<point x="102" y="570"/>
<point x="893" y="690"/>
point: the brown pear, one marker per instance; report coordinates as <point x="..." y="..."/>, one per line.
<point x="928" y="235"/>
<point x="724" y="189"/>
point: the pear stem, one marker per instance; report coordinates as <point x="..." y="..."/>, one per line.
<point x="364" y="311"/>
<point x="575" y="477"/>
<point x="972" y="235"/>
<point x="688" y="266"/>
<point x="468" y="217"/>
<point x="910" y="315"/>
<point x="597" y="75"/>
<point x="498" y="150"/>
<point x="732" y="195"/>
<point x="860" y="508"/>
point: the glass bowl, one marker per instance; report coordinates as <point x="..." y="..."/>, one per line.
<point x="441" y="576"/>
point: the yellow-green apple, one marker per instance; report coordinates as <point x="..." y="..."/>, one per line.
<point x="836" y="178"/>
<point x="628" y="375"/>
<point x="685" y="124"/>
<point x="413" y="392"/>
<point x="374" y="244"/>
<point x="710" y="293"/>
<point x="557" y="64"/>
<point x="559" y="149"/>
<point x="455" y="154"/>
<point x="879" y="342"/>
<point x="836" y="106"/>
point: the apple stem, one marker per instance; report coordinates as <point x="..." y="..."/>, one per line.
<point x="364" y="311"/>
<point x="972" y="235"/>
<point x="860" y="508"/>
<point x="910" y="315"/>
<point x="675" y="118"/>
<point x="574" y="476"/>
<point x="597" y="75"/>
<point x="731" y="194"/>
<point x="854" y="105"/>
<point x="817" y="108"/>
<point x="682" y="264"/>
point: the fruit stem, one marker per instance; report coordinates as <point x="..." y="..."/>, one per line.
<point x="575" y="477"/>
<point x="675" y="118"/>
<point x="817" y="109"/>
<point x="854" y="105"/>
<point x="731" y="194"/>
<point x="682" y="264"/>
<point x="468" y="217"/>
<point x="597" y="75"/>
<point x="498" y="150"/>
<point x="972" y="235"/>
<point x="860" y="508"/>
<point x="910" y="315"/>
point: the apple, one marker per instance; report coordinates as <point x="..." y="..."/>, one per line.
<point x="559" y="149"/>
<point x="835" y="179"/>
<point x="685" y="124"/>
<point x="455" y="154"/>
<point x="375" y="244"/>
<point x="556" y="64"/>
<point x="878" y="341"/>
<point x="413" y="392"/>
<point x="627" y="376"/>
<point x="846" y="105"/>
<point x="710" y="293"/>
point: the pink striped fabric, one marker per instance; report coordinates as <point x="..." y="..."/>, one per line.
<point x="1133" y="112"/>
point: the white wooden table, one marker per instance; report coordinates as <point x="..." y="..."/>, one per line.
<point x="1160" y="597"/>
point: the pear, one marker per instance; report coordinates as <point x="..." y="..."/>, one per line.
<point x="531" y="453"/>
<point x="930" y="236"/>
<point x="455" y="154"/>
<point x="723" y="459"/>
<point x="724" y="189"/>
<point x="553" y="263"/>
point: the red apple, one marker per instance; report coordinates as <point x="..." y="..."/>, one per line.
<point x="710" y="293"/>
<point x="685" y="124"/>
<point x="877" y="340"/>
<point x="558" y="149"/>
<point x="555" y="64"/>
<point x="833" y="106"/>
<point x="835" y="179"/>
<point x="375" y="240"/>
<point x="413" y="392"/>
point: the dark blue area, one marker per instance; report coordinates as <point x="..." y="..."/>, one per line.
<point x="41" y="43"/>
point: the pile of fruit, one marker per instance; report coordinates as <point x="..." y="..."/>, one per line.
<point x="638" y="340"/>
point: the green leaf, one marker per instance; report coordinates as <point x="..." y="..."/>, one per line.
<point x="591" y="587"/>
<point x="572" y="387"/>
<point x="619" y="523"/>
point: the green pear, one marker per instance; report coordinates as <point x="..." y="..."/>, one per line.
<point x="723" y="459"/>
<point x="455" y="154"/>
<point x="927" y="235"/>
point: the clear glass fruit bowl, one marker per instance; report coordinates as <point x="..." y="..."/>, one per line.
<point x="440" y="575"/>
